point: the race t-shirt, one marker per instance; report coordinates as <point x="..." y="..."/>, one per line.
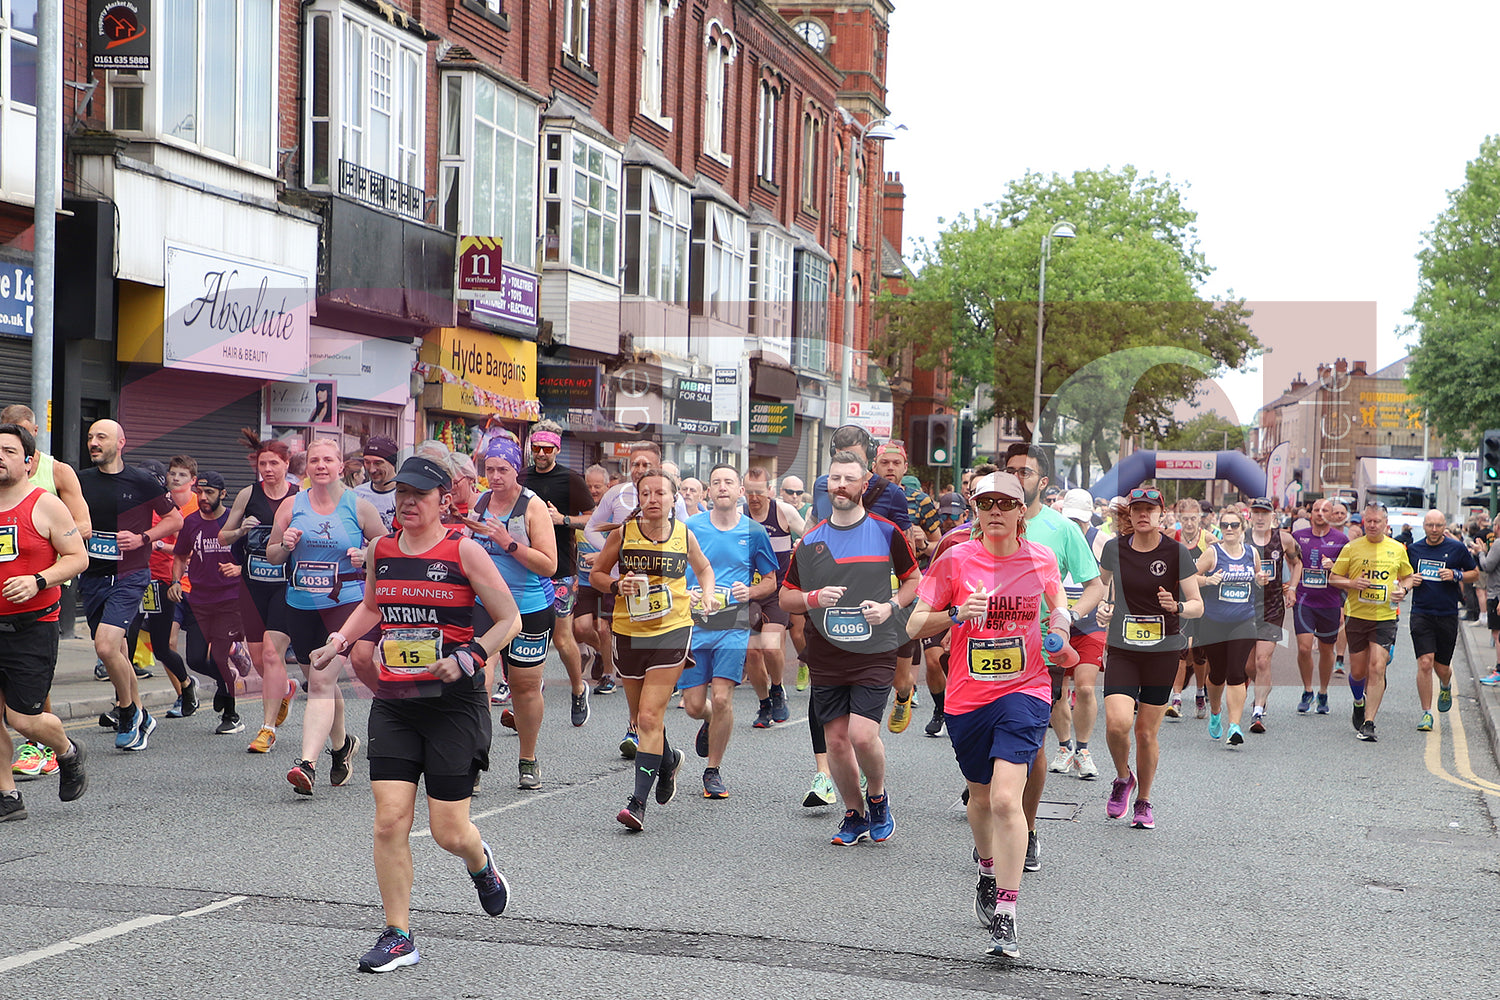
<point x="198" y="543"/>
<point x="564" y="489"/>
<point x="1139" y="623"/>
<point x="120" y="501"/>
<point x="1001" y="653"/>
<point x="384" y="503"/>
<point x="1433" y="596"/>
<point x="741" y="554"/>
<point x="1314" y="590"/>
<point x="1383" y="564"/>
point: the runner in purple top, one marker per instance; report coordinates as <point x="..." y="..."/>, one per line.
<point x="211" y="613"/>
<point x="1319" y="610"/>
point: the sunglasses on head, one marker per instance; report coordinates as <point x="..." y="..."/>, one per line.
<point x="1153" y="495"/>
<point x="1004" y="503"/>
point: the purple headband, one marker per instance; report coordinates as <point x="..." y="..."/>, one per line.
<point x="506" y="448"/>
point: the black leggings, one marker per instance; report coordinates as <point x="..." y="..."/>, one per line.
<point x="204" y="656"/>
<point x="159" y="628"/>
<point x="1228" y="661"/>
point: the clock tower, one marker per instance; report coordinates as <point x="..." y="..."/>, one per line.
<point x="852" y="35"/>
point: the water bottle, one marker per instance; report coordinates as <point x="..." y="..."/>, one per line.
<point x="1053" y="642"/>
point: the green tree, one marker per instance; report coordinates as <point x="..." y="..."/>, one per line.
<point x="1131" y="278"/>
<point x="1455" y="365"/>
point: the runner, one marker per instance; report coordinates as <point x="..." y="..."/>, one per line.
<point x="1374" y="573"/>
<point x="263" y="587"/>
<point x="379" y="487"/>
<point x="1233" y="579"/>
<point x="1152" y="586"/>
<point x="1443" y="563"/>
<point x="746" y="574"/>
<point x="319" y="537"/>
<point x="1191" y="534"/>
<point x="40" y="547"/>
<point x="891" y="465"/>
<point x="121" y="500"/>
<point x="1318" y="614"/>
<point x="512" y="526"/>
<point x="991" y="592"/>
<point x="429" y="720"/>
<point x="1087" y="638"/>
<point x="211" y="610"/>
<point x="1347" y="524"/>
<point x="841" y="577"/>
<point x="590" y="616"/>
<point x="652" y="626"/>
<point x="1281" y="560"/>
<point x="766" y="664"/>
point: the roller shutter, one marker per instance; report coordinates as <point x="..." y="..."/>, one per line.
<point x="171" y="413"/>
<point x="15" y="372"/>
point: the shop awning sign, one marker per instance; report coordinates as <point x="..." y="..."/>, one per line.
<point x="235" y="316"/>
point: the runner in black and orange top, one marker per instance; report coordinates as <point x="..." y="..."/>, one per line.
<point x="431" y="715"/>
<point x="653" y="627"/>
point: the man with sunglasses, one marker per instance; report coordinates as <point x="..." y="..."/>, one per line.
<point x="567" y="497"/>
<point x="1077" y="568"/>
<point x="793" y="492"/>
<point x="1277" y="547"/>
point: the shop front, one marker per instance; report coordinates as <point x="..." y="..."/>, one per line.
<point x="476" y="380"/>
<point x="357" y="387"/>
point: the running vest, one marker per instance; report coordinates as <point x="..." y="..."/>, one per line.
<point x="664" y="606"/>
<point x="781" y="541"/>
<point x="259" y="569"/>
<point x="321" y="574"/>
<point x="426" y="607"/>
<point x="1233" y="600"/>
<point x="43" y="475"/>
<point x="24" y="552"/>
<point x="1272" y="552"/>
<point x="526" y="587"/>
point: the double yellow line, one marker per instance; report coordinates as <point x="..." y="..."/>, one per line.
<point x="1434" y="755"/>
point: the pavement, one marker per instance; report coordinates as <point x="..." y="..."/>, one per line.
<point x="1476" y="640"/>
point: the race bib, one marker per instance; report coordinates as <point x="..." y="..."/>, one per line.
<point x="315" y="577"/>
<point x="262" y="570"/>
<point x="847" y="624"/>
<point x="529" y="649"/>
<point x="104" y="545"/>
<point x="1234" y="593"/>
<point x="1430" y="569"/>
<point x="257" y="538"/>
<point x="151" y="601"/>
<point x="10" y="542"/>
<point x="1375" y="594"/>
<point x="411" y="650"/>
<point x="1143" y="630"/>
<point x="991" y="659"/>
<point x="655" y="603"/>
<point x="1315" y="579"/>
<point x="1268" y="567"/>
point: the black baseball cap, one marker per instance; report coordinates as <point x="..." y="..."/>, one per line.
<point x="212" y="480"/>
<point x="1262" y="503"/>
<point x="424" y="474"/>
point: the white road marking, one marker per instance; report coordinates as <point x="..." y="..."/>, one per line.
<point x="105" y="933"/>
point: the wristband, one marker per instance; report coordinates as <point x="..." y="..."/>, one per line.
<point x="342" y="643"/>
<point x="465" y="660"/>
<point x="614" y="587"/>
<point x="895" y="605"/>
<point x="812" y="597"/>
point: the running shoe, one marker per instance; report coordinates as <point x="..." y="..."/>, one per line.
<point x="1338" y="666"/>
<point x="882" y="822"/>
<point x="763" y="717"/>
<point x="900" y="714"/>
<point x="1305" y="705"/>
<point x="1033" y="862"/>
<point x="581" y="707"/>
<point x="1143" y="820"/>
<point x="1003" y="941"/>
<point x="700" y="742"/>
<point x="75" y="777"/>
<point x="1235" y="736"/>
<point x="1215" y="726"/>
<point x="100" y="673"/>
<point x="142" y="674"/>
<point x="11" y="808"/>
<point x="143" y="732"/>
<point x="501" y="695"/>
<point x="507" y="718"/>
<point x="531" y="777"/>
<point x="713" y="785"/>
<point x="779" y="710"/>
<point x="1493" y="678"/>
<point x="343" y="758"/>
<point x="302" y="776"/>
<point x="935" y="725"/>
<point x="1258" y="722"/>
<point x="666" y="779"/>
<point x="229" y="725"/>
<point x="1174" y="708"/>
<point x="29" y="761"/>
<point x="494" y="891"/>
<point x="189" y="697"/>
<point x="263" y="742"/>
<point x="110" y="720"/>
<point x="1425" y="726"/>
<point x="285" y="708"/>
<point x="633" y="816"/>
<point x="1445" y="698"/>
<point x="1083" y="763"/>
<point x="822" y="792"/>
<point x="393" y="950"/>
<point x="1359" y="715"/>
<point x="854" y="829"/>
<point x="804" y="677"/>
<point x="1200" y="705"/>
<point x="606" y="686"/>
<point x="1119" y="795"/>
<point x="128" y="727"/>
<point x="1367" y="731"/>
<point x="1062" y="760"/>
<point x="175" y="712"/>
<point x="984" y="900"/>
<point x="1322" y="704"/>
<point x="629" y="744"/>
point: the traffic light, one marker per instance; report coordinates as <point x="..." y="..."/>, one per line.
<point x="966" y="440"/>
<point x="1489" y="458"/>
<point x="917" y="437"/>
<point x="940" y="441"/>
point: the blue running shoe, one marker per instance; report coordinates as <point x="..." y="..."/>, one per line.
<point x="780" y="711"/>
<point x="1305" y="705"/>
<point x="1322" y="704"/>
<point x="127" y="732"/>
<point x="393" y="950"/>
<point x="1235" y="736"/>
<point x="1445" y="698"/>
<point x="882" y="823"/>
<point x="1215" y="726"/>
<point x="494" y="891"/>
<point x="145" y="729"/>
<point x="854" y="829"/>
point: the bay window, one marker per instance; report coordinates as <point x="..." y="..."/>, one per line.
<point x="658" y="234"/>
<point x="582" y="192"/>
<point x="488" y="160"/>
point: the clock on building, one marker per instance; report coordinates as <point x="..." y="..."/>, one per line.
<point x="812" y="32"/>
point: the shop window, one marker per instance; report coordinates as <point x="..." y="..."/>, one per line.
<point x="582" y="192"/>
<point x="488" y="163"/>
<point x="658" y="234"/>
<point x="721" y="248"/>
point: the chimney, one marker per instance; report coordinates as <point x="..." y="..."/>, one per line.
<point x="1298" y="382"/>
<point x="1359" y="369"/>
<point x="895" y="209"/>
<point x="1341" y="365"/>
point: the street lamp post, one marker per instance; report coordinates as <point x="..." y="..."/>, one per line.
<point x="1063" y="231"/>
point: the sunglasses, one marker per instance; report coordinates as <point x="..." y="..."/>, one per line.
<point x="1229" y="524"/>
<point x="543" y="449"/>
<point x="1004" y="503"/>
<point x="1152" y="495"/>
<point x="794" y="493"/>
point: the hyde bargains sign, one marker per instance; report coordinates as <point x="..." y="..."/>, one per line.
<point x="235" y="316"/>
<point x="119" y="34"/>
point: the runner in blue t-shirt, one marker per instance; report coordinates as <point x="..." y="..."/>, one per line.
<point x="739" y="549"/>
<point x="1442" y="564"/>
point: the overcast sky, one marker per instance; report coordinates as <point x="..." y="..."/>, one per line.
<point x="1319" y="139"/>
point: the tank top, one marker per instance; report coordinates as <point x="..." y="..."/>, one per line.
<point x="526" y="587"/>
<point x="1234" y="599"/>
<point x="1272" y="552"/>
<point x="663" y="607"/>
<point x="781" y="541"/>
<point x="259" y="569"/>
<point x="320" y="572"/>
<point x="1089" y="623"/>
<point x="43" y="475"/>
<point x="24" y="552"/>
<point x="426" y="607"/>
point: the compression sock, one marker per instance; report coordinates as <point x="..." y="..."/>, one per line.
<point x="1081" y="744"/>
<point x="937" y="702"/>
<point x="987" y="867"/>
<point x="1357" y="688"/>
<point x="646" y="766"/>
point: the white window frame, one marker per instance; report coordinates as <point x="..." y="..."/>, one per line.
<point x="569" y="189"/>
<point x="659" y="235"/>
<point x="810" y="341"/>
<point x="351" y="103"/>
<point x="575" y="40"/>
<point x="654" y="58"/>
<point x="771" y="286"/>
<point x="812" y="133"/>
<point x="722" y="49"/>
<point x="770" y="110"/>
<point x="721" y="242"/>
<point x="463" y="129"/>
<point x="17" y="120"/>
